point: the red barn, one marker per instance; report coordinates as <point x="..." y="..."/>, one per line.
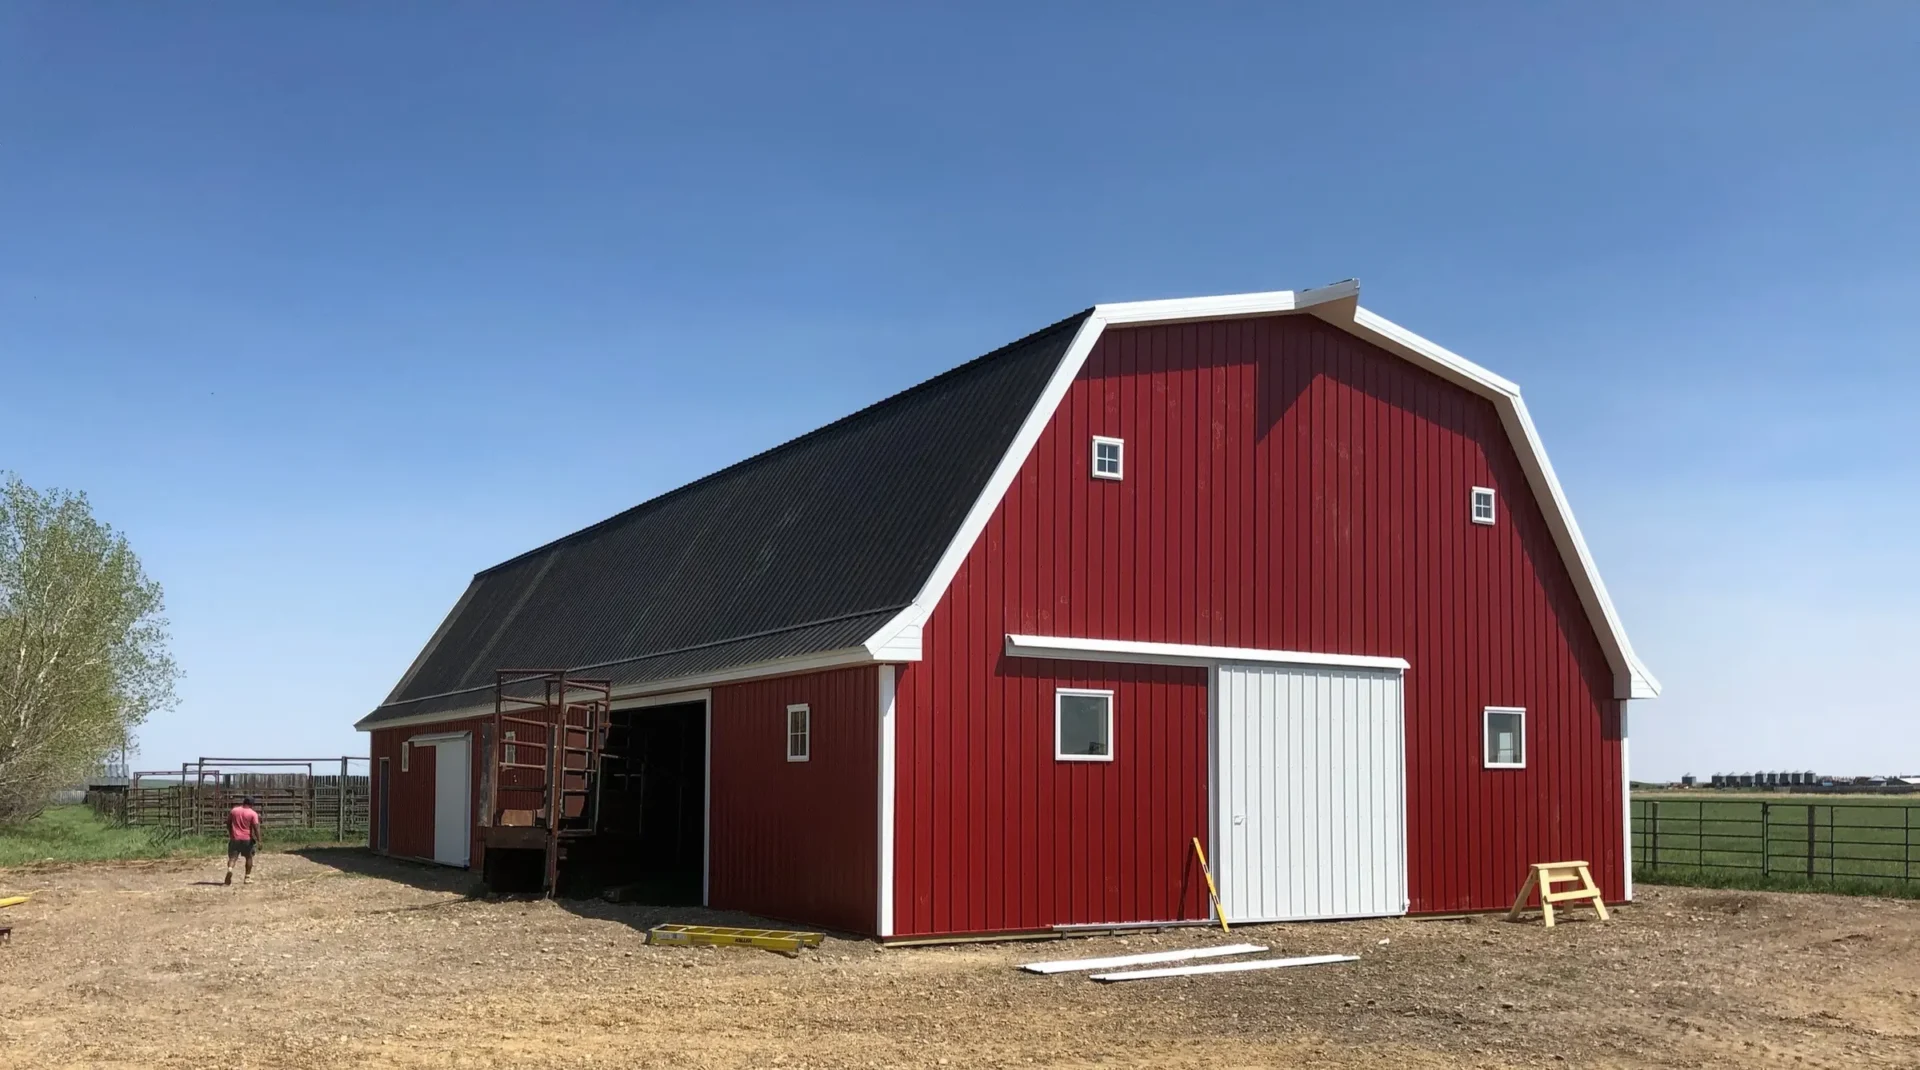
<point x="1263" y="570"/>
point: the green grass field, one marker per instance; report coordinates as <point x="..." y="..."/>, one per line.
<point x="77" y="834"/>
<point x="1856" y="844"/>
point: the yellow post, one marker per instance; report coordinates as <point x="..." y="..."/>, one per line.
<point x="1213" y="893"/>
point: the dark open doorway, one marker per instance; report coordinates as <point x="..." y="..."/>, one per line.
<point x="652" y="830"/>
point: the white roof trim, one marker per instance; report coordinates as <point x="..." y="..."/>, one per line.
<point x="1064" y="648"/>
<point x="1337" y="304"/>
<point x="675" y="689"/>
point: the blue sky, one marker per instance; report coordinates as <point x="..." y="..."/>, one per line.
<point x="329" y="306"/>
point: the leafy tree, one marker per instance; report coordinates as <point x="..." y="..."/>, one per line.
<point x="83" y="645"/>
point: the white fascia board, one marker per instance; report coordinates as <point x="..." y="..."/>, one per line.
<point x="1631" y="678"/>
<point x="1228" y="306"/>
<point x="897" y="640"/>
<point x="439" y="737"/>
<point x="1065" y="648"/>
<point x="628" y="697"/>
<point x="1434" y="357"/>
<point x="1002" y="478"/>
<point x="1338" y="305"/>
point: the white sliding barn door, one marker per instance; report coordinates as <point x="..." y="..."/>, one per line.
<point x="1309" y="792"/>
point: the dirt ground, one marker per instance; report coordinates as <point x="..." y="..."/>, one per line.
<point x="340" y="959"/>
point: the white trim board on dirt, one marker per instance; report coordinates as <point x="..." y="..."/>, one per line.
<point x="1224" y="967"/>
<point x="1076" y="965"/>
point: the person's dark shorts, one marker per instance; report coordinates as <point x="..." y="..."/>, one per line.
<point x="239" y="849"/>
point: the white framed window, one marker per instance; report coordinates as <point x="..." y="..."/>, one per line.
<point x="1082" y="725"/>
<point x="1109" y="455"/>
<point x="1505" y="737"/>
<point x="406" y="754"/>
<point x="1483" y="505"/>
<point x="799" y="732"/>
<point x="512" y="752"/>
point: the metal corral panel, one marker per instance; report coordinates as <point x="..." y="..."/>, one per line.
<point x="1310" y="803"/>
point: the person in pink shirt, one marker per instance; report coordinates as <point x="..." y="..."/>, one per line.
<point x="243" y="835"/>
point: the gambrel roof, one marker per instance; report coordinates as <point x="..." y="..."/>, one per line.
<point x="808" y="548"/>
<point x="834" y="548"/>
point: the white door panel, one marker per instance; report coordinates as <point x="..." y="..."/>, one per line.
<point x="1309" y="797"/>
<point x="452" y="792"/>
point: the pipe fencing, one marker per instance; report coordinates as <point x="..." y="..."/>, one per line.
<point x="323" y="794"/>
<point x="1864" y="841"/>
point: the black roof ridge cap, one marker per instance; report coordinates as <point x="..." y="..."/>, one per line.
<point x="890" y="399"/>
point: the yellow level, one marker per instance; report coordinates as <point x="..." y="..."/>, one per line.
<point x="771" y="939"/>
<point x="1213" y="893"/>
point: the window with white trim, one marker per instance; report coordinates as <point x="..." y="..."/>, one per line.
<point x="1108" y="455"/>
<point x="512" y="753"/>
<point x="799" y="733"/>
<point x="1505" y="730"/>
<point x="1483" y="505"/>
<point x="406" y="753"/>
<point x="1082" y="725"/>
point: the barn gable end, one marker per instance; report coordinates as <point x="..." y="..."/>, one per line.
<point x="1288" y="486"/>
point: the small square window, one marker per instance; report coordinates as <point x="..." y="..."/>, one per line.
<point x="1483" y="505"/>
<point x="1082" y="725"/>
<point x="799" y="733"/>
<point x="1107" y="455"/>
<point x="1506" y="737"/>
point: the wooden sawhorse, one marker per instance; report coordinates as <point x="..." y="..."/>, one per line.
<point x="1545" y="875"/>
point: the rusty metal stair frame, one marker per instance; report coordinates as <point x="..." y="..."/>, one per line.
<point x="566" y="727"/>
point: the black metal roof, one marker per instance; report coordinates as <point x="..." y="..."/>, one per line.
<point x="808" y="547"/>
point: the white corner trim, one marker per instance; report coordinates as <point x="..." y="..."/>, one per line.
<point x="1064" y="648"/>
<point x="884" y="926"/>
<point x="1626" y="806"/>
<point x="1339" y="306"/>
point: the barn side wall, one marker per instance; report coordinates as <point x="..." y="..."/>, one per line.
<point x="1287" y="486"/>
<point x="1019" y="840"/>
<point x="797" y="841"/>
<point x="411" y="833"/>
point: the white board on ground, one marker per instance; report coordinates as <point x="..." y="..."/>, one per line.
<point x="1074" y="965"/>
<point x="1224" y="967"/>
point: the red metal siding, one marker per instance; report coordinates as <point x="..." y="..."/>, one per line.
<point x="410" y="833"/>
<point x="1288" y="486"/>
<point x="992" y="833"/>
<point x="797" y="840"/>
